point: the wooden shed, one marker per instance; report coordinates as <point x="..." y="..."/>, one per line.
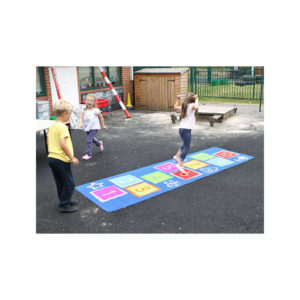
<point x="156" y="88"/>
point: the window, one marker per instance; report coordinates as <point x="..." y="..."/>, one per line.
<point x="91" y="78"/>
<point x="86" y="78"/>
<point x="40" y="82"/>
<point x="114" y="75"/>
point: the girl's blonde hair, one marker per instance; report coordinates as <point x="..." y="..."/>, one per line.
<point x="94" y="99"/>
<point x="62" y="106"/>
<point x="189" y="98"/>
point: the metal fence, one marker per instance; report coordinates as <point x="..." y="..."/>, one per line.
<point x="228" y="84"/>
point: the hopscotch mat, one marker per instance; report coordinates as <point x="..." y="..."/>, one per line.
<point x="122" y="190"/>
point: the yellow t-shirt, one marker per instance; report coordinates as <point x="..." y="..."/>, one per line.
<point x="57" y="131"/>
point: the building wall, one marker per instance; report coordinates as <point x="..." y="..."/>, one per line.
<point x="127" y="86"/>
<point x="48" y="96"/>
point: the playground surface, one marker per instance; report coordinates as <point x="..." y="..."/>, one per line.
<point x="231" y="201"/>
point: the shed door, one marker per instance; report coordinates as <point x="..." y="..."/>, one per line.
<point x="148" y="91"/>
<point x="144" y="91"/>
<point x="157" y="92"/>
<point x="171" y="92"/>
<point x="166" y="92"/>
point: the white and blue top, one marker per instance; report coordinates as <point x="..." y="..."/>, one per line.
<point x="91" y="120"/>
<point x="189" y="121"/>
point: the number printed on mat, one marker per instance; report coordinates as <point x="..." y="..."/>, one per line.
<point x="142" y="189"/>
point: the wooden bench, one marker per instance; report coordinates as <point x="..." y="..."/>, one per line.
<point x="212" y="113"/>
<point x="215" y="113"/>
<point x="214" y="119"/>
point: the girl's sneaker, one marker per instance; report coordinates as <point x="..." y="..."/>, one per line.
<point x="176" y="159"/>
<point x="101" y="146"/>
<point x="86" y="157"/>
<point x="181" y="169"/>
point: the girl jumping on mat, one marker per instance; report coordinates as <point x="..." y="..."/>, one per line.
<point x="89" y="122"/>
<point x="189" y="109"/>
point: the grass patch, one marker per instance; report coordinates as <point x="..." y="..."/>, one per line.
<point x="230" y="93"/>
<point x="227" y="101"/>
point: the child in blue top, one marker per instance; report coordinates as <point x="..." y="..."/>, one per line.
<point x="89" y="122"/>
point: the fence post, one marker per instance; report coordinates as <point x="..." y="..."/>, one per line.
<point x="254" y="83"/>
<point x="192" y="79"/>
<point x="209" y="75"/>
<point x="261" y="87"/>
<point x="196" y="80"/>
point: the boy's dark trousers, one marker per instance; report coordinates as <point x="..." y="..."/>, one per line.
<point x="64" y="180"/>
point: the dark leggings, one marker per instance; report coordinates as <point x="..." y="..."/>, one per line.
<point x="63" y="179"/>
<point x="186" y="136"/>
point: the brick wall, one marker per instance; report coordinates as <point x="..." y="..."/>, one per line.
<point x="48" y="96"/>
<point x="127" y="84"/>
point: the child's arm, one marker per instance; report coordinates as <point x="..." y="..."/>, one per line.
<point x="80" y="119"/>
<point x="102" y="121"/>
<point x="196" y="104"/>
<point x="177" y="105"/>
<point x="64" y="146"/>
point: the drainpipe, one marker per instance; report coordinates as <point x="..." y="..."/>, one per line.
<point x="131" y="73"/>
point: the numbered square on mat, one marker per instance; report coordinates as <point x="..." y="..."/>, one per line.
<point x="195" y="164"/>
<point x="168" y="167"/>
<point x="156" y="177"/>
<point x="225" y="154"/>
<point x="221" y="162"/>
<point x="125" y="181"/>
<point x="202" y="156"/>
<point x="142" y="189"/>
<point x="189" y="174"/>
<point x="108" y="193"/>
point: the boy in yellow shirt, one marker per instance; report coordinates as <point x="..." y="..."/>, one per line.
<point x="61" y="155"/>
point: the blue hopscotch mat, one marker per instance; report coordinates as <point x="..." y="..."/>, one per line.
<point x="128" y="188"/>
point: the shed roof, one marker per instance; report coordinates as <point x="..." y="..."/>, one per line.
<point x="162" y="71"/>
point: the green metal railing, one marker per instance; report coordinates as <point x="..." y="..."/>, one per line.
<point x="231" y="83"/>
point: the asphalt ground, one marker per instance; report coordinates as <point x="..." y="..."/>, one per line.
<point x="231" y="201"/>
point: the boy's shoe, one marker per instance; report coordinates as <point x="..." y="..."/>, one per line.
<point x="181" y="169"/>
<point x="74" y="202"/>
<point x="175" y="158"/>
<point x="68" y="208"/>
<point x="101" y="146"/>
<point x="86" y="157"/>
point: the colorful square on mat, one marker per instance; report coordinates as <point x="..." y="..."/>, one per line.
<point x="195" y="164"/>
<point x="209" y="170"/>
<point x="142" y="189"/>
<point x="241" y="158"/>
<point x="221" y="162"/>
<point x="168" y="167"/>
<point x="108" y="193"/>
<point x="125" y="181"/>
<point x="156" y="177"/>
<point x="202" y="156"/>
<point x="225" y="154"/>
<point x="189" y="174"/>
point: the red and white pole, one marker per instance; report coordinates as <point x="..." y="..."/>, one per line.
<point x="114" y="92"/>
<point x="56" y="82"/>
